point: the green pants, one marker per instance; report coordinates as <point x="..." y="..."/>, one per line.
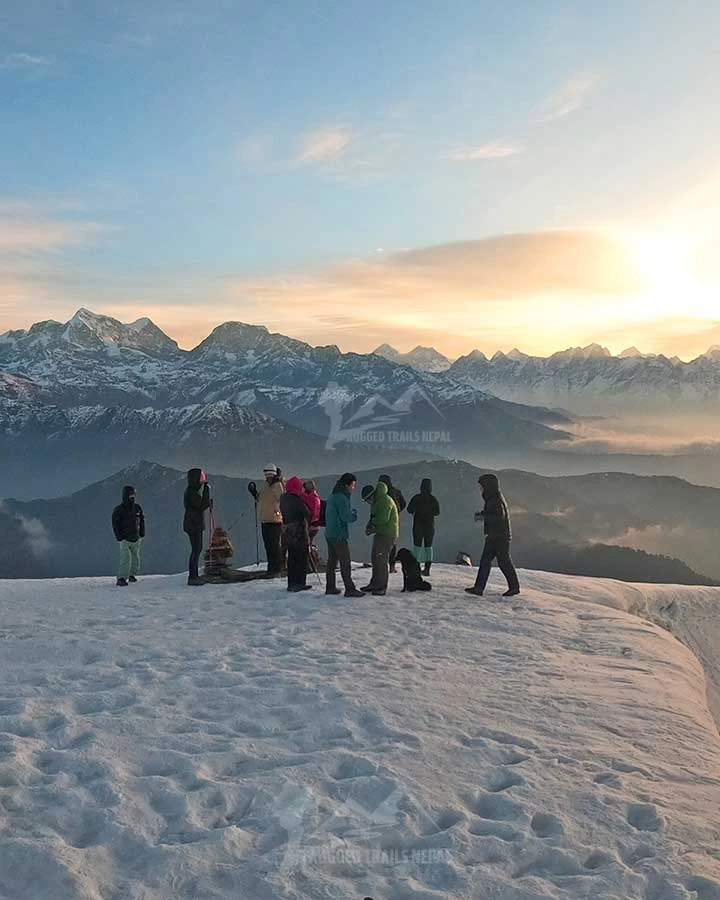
<point x="129" y="559"/>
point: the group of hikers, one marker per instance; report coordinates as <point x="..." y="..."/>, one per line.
<point x="291" y="513"/>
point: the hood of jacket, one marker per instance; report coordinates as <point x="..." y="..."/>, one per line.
<point x="426" y="486"/>
<point x="489" y="484"/>
<point x="381" y="490"/>
<point x="194" y="478"/>
<point x="294" y="486"/>
<point x="128" y="491"/>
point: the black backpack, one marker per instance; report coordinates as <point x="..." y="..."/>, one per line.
<point x="321" y="517"/>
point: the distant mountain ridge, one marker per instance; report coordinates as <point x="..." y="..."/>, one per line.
<point x="590" y="379"/>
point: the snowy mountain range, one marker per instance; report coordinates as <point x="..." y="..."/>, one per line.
<point x="590" y="380"/>
<point x="94" y="392"/>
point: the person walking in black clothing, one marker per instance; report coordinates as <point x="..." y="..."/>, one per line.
<point x="196" y="502"/>
<point x="397" y="495"/>
<point x="296" y="517"/>
<point x="498" y="534"/>
<point x="424" y="507"/>
<point x="128" y="523"/>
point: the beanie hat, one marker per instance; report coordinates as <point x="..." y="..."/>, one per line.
<point x="367" y="492"/>
<point x="270" y="469"/>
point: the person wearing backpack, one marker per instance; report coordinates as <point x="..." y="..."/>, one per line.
<point x="339" y="515"/>
<point x="128" y="524"/>
<point x="296" y="519"/>
<point x="424" y="508"/>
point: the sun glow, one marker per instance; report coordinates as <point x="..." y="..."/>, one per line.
<point x="667" y="264"/>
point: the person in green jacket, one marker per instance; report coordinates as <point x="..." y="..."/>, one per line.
<point x="384" y="524"/>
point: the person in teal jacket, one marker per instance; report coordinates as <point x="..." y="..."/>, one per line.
<point x="384" y="524"/>
<point x="339" y="515"/>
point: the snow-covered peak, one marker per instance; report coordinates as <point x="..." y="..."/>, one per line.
<point x="712" y="352"/>
<point x="86" y="333"/>
<point x="425" y="359"/>
<point x="517" y="355"/>
<point x="387" y="351"/>
<point x="631" y="353"/>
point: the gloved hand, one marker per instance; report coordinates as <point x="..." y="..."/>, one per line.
<point x="369" y="530"/>
<point x="353" y="515"/>
<point x="479" y="516"/>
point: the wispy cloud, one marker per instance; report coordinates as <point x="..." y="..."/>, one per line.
<point x="20" y="235"/>
<point x="27" y="63"/>
<point x="483" y="152"/>
<point x="323" y="145"/>
<point x="568" y="98"/>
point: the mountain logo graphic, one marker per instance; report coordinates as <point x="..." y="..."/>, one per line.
<point x="375" y="412"/>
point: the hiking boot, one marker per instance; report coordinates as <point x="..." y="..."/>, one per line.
<point x="378" y="593"/>
<point x="474" y="591"/>
<point x="121" y="582"/>
<point x="367" y="589"/>
<point x="195" y="582"/>
<point x="511" y="592"/>
<point x="354" y="592"/>
<point x="333" y="591"/>
<point x="132" y="579"/>
<point x="426" y="570"/>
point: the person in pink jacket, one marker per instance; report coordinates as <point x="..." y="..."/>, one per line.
<point x="312" y="500"/>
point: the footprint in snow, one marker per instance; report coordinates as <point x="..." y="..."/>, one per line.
<point x="644" y="817"/>
<point x="545" y="825"/>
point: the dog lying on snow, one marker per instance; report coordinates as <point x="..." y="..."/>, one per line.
<point x="412" y="579"/>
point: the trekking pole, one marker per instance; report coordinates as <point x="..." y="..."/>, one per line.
<point x="252" y="490"/>
<point x="312" y="564"/>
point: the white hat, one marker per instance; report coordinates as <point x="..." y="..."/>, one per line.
<point x="270" y="469"/>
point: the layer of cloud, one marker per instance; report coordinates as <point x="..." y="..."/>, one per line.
<point x="494" y="291"/>
<point x="323" y="145"/>
<point x="568" y="98"/>
<point x="482" y="152"/>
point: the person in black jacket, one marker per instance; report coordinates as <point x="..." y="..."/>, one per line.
<point x="424" y="507"/>
<point x="296" y="518"/>
<point x="196" y="501"/>
<point x="128" y="523"/>
<point x="498" y="534"/>
<point x="397" y="495"/>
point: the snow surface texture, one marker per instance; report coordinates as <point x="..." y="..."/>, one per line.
<point x="237" y="741"/>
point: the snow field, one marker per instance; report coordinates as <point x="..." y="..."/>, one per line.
<point x="238" y="741"/>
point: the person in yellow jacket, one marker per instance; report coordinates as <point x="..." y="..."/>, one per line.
<point x="268" y="504"/>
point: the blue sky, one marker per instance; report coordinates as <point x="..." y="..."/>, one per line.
<point x="275" y="161"/>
